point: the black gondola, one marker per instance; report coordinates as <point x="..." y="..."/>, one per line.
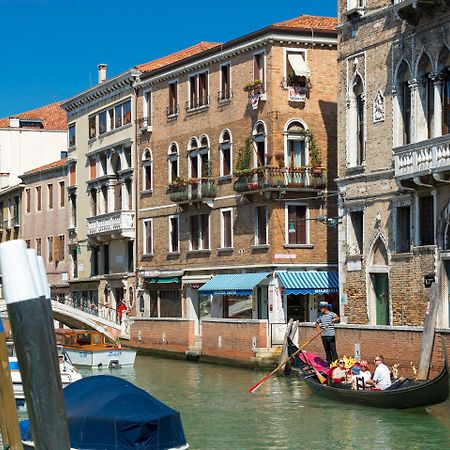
<point x="404" y="393"/>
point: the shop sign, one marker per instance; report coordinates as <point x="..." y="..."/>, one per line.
<point x="285" y="256"/>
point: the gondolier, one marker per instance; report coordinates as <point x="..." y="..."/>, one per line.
<point x="326" y="322"/>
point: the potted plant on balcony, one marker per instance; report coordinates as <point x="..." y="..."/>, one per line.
<point x="252" y="86"/>
<point x="279" y="158"/>
<point x="242" y="169"/>
<point x="177" y="189"/>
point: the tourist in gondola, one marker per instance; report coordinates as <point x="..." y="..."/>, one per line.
<point x="340" y="375"/>
<point x="382" y="375"/>
<point x="326" y="322"/>
<point x="362" y="375"/>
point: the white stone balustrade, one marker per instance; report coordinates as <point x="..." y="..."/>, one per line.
<point x="423" y="158"/>
<point x="117" y="222"/>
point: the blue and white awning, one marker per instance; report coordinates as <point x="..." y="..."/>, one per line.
<point x="233" y="284"/>
<point x="309" y="282"/>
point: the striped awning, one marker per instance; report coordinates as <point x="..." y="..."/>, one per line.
<point x="233" y="284"/>
<point x="309" y="282"/>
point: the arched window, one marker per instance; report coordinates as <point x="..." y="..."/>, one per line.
<point x="404" y="103"/>
<point x="226" y="156"/>
<point x="296" y="148"/>
<point x="444" y="70"/>
<point x="425" y="112"/>
<point x="260" y="143"/>
<point x="147" y="170"/>
<point x="199" y="166"/>
<point x="358" y="92"/>
<point x="173" y="162"/>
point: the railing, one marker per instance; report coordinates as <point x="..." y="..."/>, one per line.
<point x="423" y="158"/>
<point x="275" y="178"/>
<point x="118" y="221"/>
<point x="202" y="189"/>
<point x="198" y="102"/>
<point x="144" y="123"/>
<point x="223" y="96"/>
<point x="173" y="111"/>
<point x="95" y="309"/>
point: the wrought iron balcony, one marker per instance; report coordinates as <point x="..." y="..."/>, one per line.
<point x="173" y="111"/>
<point x="424" y="162"/>
<point x="224" y="96"/>
<point x="197" y="103"/>
<point x="193" y="190"/>
<point x="117" y="224"/>
<point x="412" y="10"/>
<point x="270" y="178"/>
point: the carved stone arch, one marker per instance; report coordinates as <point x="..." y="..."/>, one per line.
<point x="402" y="63"/>
<point x="378" y="254"/>
<point x="423" y="57"/>
<point x="443" y="59"/>
<point x="443" y="231"/>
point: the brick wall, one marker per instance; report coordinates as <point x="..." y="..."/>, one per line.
<point x="236" y="338"/>
<point x="172" y="335"/>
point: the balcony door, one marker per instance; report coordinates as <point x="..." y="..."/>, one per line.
<point x="296" y="154"/>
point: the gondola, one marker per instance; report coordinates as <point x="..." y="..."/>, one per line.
<point x="404" y="393"/>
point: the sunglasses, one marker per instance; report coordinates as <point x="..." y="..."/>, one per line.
<point x="341" y="362"/>
<point x="377" y="360"/>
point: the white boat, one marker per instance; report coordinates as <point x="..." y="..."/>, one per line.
<point x="90" y="349"/>
<point x="68" y="373"/>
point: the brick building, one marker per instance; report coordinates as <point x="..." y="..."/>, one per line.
<point x="394" y="159"/>
<point x="236" y="149"/>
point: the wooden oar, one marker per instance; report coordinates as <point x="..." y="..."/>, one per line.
<point x="263" y="380"/>
<point x="321" y="378"/>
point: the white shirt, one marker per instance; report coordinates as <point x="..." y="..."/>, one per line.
<point x="366" y="376"/>
<point x="382" y="376"/>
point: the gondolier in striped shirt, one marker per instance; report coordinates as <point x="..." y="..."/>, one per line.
<point x="328" y="317"/>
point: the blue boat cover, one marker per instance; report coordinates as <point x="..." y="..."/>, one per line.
<point x="108" y="413"/>
<point x="309" y="282"/>
<point x="233" y="284"/>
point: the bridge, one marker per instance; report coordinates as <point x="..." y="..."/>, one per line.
<point x="102" y="319"/>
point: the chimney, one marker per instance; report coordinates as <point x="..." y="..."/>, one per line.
<point x="101" y="73"/>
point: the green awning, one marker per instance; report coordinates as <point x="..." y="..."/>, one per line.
<point x="163" y="280"/>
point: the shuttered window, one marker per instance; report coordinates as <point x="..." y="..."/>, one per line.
<point x="297" y="224"/>
<point x="148" y="236"/>
<point x="261" y="225"/>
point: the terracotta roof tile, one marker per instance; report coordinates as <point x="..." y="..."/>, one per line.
<point x="315" y="22"/>
<point x="52" y="165"/>
<point x="177" y="56"/>
<point x="53" y="117"/>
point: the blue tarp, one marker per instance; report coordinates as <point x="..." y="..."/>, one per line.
<point x="233" y="284"/>
<point x="309" y="282"/>
<point x="108" y="413"/>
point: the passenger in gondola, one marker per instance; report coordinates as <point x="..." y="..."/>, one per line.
<point x="340" y="375"/>
<point x="327" y="319"/>
<point x="362" y="375"/>
<point x="382" y="375"/>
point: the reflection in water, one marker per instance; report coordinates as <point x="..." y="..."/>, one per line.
<point x="218" y="413"/>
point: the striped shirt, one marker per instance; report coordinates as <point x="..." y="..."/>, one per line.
<point x="324" y="320"/>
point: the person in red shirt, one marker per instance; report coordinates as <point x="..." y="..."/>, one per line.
<point x="121" y="308"/>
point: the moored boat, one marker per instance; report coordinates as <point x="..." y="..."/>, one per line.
<point x="91" y="349"/>
<point x="403" y="393"/>
<point x="105" y="412"/>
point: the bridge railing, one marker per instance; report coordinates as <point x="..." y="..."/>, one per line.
<point x="98" y="310"/>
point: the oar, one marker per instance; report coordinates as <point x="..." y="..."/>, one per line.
<point x="321" y="378"/>
<point x="263" y="380"/>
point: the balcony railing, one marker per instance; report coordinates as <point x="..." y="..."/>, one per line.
<point x="144" y="123"/>
<point x="173" y="111"/>
<point x="280" y="178"/>
<point x="423" y="158"/>
<point x="224" y="96"/>
<point x="197" y="103"/>
<point x="193" y="190"/>
<point x="120" y="222"/>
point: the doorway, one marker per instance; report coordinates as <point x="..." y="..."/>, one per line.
<point x="380" y="283"/>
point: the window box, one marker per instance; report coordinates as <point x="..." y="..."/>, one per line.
<point x="255" y="87"/>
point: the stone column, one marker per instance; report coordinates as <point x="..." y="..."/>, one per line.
<point x="110" y="193"/>
<point x="109" y="168"/>
<point x="413" y="86"/>
<point x="437" y="84"/>
<point x="123" y="187"/>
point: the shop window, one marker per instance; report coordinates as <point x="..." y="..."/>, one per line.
<point x="174" y="237"/>
<point x="355" y="232"/>
<point x="426" y="220"/>
<point x="72" y="135"/>
<point x="226" y="228"/>
<point x="297" y="224"/>
<point x="148" y="237"/>
<point x="237" y="307"/>
<point x="261" y="232"/>
<point x="226" y="157"/>
<point x="199" y="228"/>
<point x="403" y="229"/>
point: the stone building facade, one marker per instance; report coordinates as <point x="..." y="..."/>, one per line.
<point x="394" y="159"/>
<point x="236" y="149"/>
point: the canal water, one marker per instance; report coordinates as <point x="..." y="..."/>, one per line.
<point x="218" y="413"/>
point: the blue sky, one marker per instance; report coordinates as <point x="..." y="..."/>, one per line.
<point x="51" y="48"/>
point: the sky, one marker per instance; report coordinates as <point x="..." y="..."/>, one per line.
<point x="51" y="48"/>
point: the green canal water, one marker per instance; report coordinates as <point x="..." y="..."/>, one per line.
<point x="218" y="413"/>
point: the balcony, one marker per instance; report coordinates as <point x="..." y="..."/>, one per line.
<point x="113" y="225"/>
<point x="224" y="96"/>
<point x="412" y="10"/>
<point x="269" y="178"/>
<point x="355" y="9"/>
<point x="193" y="190"/>
<point x="198" y="103"/>
<point x="145" y="125"/>
<point x="172" y="112"/>
<point x="424" y="163"/>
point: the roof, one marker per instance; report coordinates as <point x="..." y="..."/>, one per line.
<point x="317" y="23"/>
<point x="178" y="56"/>
<point x="53" y="117"/>
<point x="52" y="165"/>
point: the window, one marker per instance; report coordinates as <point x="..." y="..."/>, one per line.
<point x="174" y="234"/>
<point x="130" y="262"/>
<point x="198" y="90"/>
<point x="28" y="243"/>
<point x="28" y="199"/>
<point x="172" y="109"/>
<point x="92" y="168"/>
<point x="102" y="124"/>
<point x="126" y="112"/>
<point x="199" y="166"/>
<point x="94" y="258"/>
<point x="358" y="90"/>
<point x="73" y="211"/>
<point x="297" y="224"/>
<point x="226" y="228"/>
<point x="74" y="256"/>
<point x="446" y="103"/>
<point x="72" y="135"/>
<point x="225" y="154"/>
<point x="38" y="198"/>
<point x="259" y="139"/>
<point x="59" y="248"/>
<point x="403" y="229"/>
<point x="148" y="237"/>
<point x="94" y="203"/>
<point x="225" y="82"/>
<point x="404" y="92"/>
<point x="62" y="194"/>
<point x="50" y="196"/>
<point x="173" y="162"/>
<point x="92" y="127"/>
<point x="39" y="246"/>
<point x="296" y="146"/>
<point x="261" y="237"/>
<point x="297" y="71"/>
<point x="118" y="116"/>
<point x="199" y="228"/>
<point x="259" y="70"/>
<point x="147" y="179"/>
<point x="355" y="232"/>
<point x="72" y="174"/>
<point x="426" y="220"/>
<point x="106" y="258"/>
<point x="110" y="116"/>
<point x="147" y="108"/>
<point x="50" y="248"/>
